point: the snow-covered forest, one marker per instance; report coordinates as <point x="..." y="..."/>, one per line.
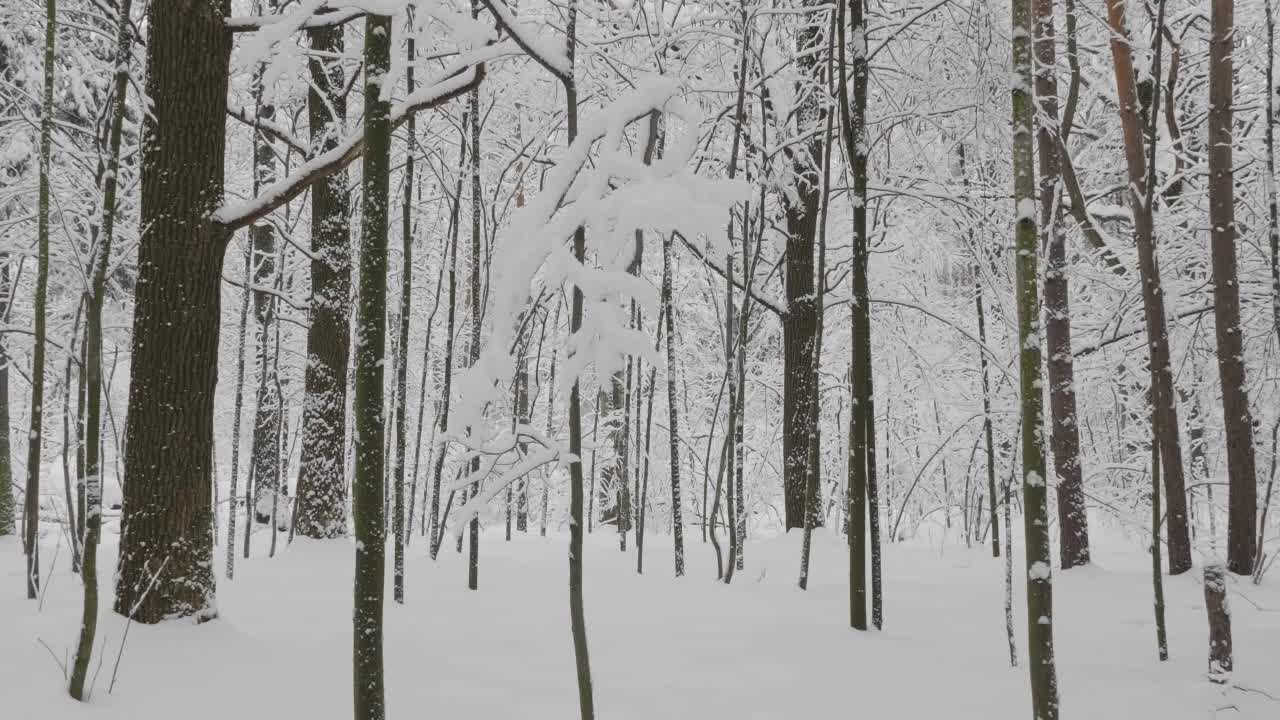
<point x="916" y="358"/>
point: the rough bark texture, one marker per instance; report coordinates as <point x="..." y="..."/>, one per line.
<point x="322" y="486"/>
<point x="673" y="410"/>
<point x="165" y="542"/>
<point x="1219" y="614"/>
<point x="1237" y="419"/>
<point x="367" y="410"/>
<point x="800" y="325"/>
<point x="1152" y="294"/>
<point x="1073" y="523"/>
<point x="1044" y="684"/>
<point x="862" y="406"/>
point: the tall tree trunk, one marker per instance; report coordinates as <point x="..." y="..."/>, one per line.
<point x="853" y="119"/>
<point x="165" y="568"/>
<point x="7" y="526"/>
<point x="370" y="525"/>
<point x="446" y="390"/>
<point x="92" y="370"/>
<point x="322" y="477"/>
<point x="1273" y="197"/>
<point x="402" y="365"/>
<point x="1044" y="684"/>
<point x="238" y="414"/>
<point x="800" y="325"/>
<point x="577" y="615"/>
<point x="265" y="449"/>
<point x="1237" y="419"/>
<point x="1073" y="522"/>
<point x="31" y="513"/>
<point x="1152" y="293"/>
<point x="477" y="309"/>
<point x="673" y="411"/>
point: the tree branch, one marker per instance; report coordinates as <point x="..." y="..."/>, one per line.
<point x="233" y="216"/>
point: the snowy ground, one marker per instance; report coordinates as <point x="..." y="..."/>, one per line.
<point x="660" y="648"/>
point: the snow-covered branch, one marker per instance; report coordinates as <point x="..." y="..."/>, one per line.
<point x="245" y="212"/>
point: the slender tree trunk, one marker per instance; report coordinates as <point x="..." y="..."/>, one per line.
<point x="1152" y="293"/>
<point x="673" y="412"/>
<point x="322" y="476"/>
<point x="1073" y="522"/>
<point x="477" y="309"/>
<point x="1238" y="420"/>
<point x="1273" y="201"/>
<point x="1044" y="684"/>
<point x="238" y="414"/>
<point x="853" y="122"/>
<point x="7" y="526"/>
<point x="266" y="425"/>
<point x="577" y="616"/>
<point x="31" y="513"/>
<point x="1157" y="576"/>
<point x="446" y="390"/>
<point x="370" y="526"/>
<point x="402" y="366"/>
<point x="92" y="370"/>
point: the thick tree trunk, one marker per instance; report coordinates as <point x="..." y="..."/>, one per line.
<point x="322" y="477"/>
<point x="1152" y="293"/>
<point x="800" y="325"/>
<point x="367" y="411"/>
<point x="1073" y="522"/>
<point x="165" y="567"/>
<point x="1044" y="684"/>
<point x="1237" y="419"/>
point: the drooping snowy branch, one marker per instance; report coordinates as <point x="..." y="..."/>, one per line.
<point x="599" y="185"/>
<point x="543" y="52"/>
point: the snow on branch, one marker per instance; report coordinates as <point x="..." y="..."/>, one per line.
<point x="320" y="17"/>
<point x="272" y="128"/>
<point x="543" y="51"/>
<point x="238" y="214"/>
<point x="601" y="186"/>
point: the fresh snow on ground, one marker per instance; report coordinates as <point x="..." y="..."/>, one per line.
<point x="661" y="648"/>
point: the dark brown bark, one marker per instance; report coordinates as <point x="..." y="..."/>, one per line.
<point x="800" y="324"/>
<point x="1219" y="613"/>
<point x="322" y="486"/>
<point x="165" y="568"/>
<point x="1073" y="523"/>
<point x="367" y="407"/>
<point x="1166" y="403"/>
<point x="1237" y="419"/>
